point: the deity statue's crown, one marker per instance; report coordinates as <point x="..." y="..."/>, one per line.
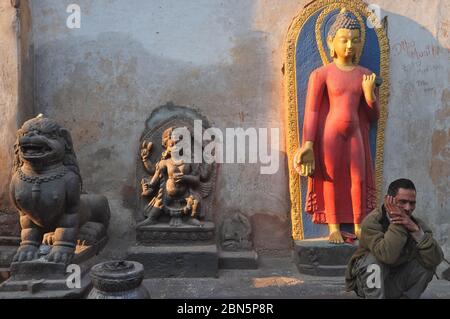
<point x="344" y="20"/>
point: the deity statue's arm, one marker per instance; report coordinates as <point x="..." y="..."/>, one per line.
<point x="146" y="148"/>
<point x="193" y="180"/>
<point x="148" y="186"/>
<point x="371" y="96"/>
<point x="314" y="97"/>
<point x="373" y="109"/>
<point x="205" y="171"/>
<point x="193" y="177"/>
<point x="157" y="175"/>
<point x="149" y="166"/>
<point x="304" y="161"/>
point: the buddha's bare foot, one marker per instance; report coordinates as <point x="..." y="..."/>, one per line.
<point x="336" y="237"/>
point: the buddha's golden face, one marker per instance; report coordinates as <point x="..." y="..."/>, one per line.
<point x="346" y="43"/>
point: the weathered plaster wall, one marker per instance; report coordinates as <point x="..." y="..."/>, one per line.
<point x="8" y="99"/>
<point x="102" y="81"/>
<point x="224" y="58"/>
<point x="16" y="95"/>
<point x="418" y="128"/>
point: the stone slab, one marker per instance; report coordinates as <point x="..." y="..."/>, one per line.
<point x="44" y="289"/>
<point x="37" y="270"/>
<point x="176" y="261"/>
<point x="42" y="280"/>
<point x="39" y="279"/>
<point x="238" y="259"/>
<point x="318" y="257"/>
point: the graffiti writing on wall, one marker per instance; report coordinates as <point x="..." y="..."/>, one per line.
<point x="410" y="49"/>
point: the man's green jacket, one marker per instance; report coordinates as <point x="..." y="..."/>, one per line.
<point x="393" y="244"/>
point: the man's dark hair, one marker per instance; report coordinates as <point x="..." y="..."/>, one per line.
<point x="400" y="183"/>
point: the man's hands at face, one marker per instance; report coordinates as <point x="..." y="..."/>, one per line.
<point x="398" y="216"/>
<point x="391" y="206"/>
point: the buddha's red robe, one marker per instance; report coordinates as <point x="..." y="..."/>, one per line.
<point x="337" y="119"/>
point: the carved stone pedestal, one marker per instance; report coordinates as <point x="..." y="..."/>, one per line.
<point x="118" y="280"/>
<point x="247" y="259"/>
<point x="163" y="234"/>
<point x="40" y="279"/>
<point x="183" y="251"/>
<point x="318" y="257"/>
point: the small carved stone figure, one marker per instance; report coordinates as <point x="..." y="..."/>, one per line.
<point x="236" y="233"/>
<point x="46" y="190"/>
<point x="176" y="188"/>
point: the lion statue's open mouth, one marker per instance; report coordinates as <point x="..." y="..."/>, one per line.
<point x="34" y="150"/>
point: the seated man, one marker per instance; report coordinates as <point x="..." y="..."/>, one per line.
<point x="397" y="254"/>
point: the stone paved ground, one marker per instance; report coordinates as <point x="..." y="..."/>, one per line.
<point x="276" y="278"/>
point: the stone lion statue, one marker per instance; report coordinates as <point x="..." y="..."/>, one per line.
<point x="46" y="189"/>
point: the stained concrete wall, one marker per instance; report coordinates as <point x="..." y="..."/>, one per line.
<point x="16" y="95"/>
<point x="224" y="58"/>
<point x="418" y="127"/>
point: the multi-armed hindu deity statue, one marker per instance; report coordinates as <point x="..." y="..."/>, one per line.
<point x="341" y="103"/>
<point x="175" y="187"/>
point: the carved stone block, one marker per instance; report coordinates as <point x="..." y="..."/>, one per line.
<point x="185" y="235"/>
<point x="238" y="259"/>
<point x="320" y="258"/>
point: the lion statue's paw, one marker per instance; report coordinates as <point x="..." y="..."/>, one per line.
<point x="26" y="253"/>
<point x="60" y="254"/>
